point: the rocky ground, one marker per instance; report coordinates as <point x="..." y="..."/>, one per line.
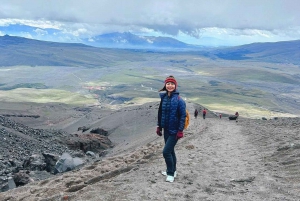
<point x="218" y="159"/>
<point x="29" y="154"/>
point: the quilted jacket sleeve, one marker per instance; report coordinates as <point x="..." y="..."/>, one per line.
<point x="182" y="114"/>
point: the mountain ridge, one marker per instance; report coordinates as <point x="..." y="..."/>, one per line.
<point x="283" y="52"/>
<point x="23" y="51"/>
<point x="129" y="40"/>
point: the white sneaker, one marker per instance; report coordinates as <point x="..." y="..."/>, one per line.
<point x="165" y="173"/>
<point x="170" y="179"/>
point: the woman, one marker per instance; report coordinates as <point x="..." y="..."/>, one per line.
<point x="171" y="118"/>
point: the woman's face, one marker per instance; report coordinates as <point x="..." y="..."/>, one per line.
<point x="170" y="86"/>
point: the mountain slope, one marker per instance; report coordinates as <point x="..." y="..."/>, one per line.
<point x="216" y="160"/>
<point x="281" y="52"/>
<point x="23" y="51"/>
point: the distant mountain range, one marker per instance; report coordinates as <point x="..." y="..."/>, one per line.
<point x="281" y="52"/>
<point x="23" y="51"/>
<point x="111" y="40"/>
<point x="129" y="40"/>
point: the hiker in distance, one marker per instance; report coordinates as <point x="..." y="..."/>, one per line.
<point x="204" y="113"/>
<point x="196" y="113"/>
<point x="171" y="119"/>
<point x="237" y="116"/>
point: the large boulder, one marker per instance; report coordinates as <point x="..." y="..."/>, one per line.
<point x="67" y="163"/>
<point x="50" y="160"/>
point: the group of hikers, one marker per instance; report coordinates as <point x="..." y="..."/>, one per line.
<point x="171" y="122"/>
<point x="236" y="115"/>
<point x="203" y="113"/>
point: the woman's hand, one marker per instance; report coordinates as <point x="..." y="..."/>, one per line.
<point x="179" y="135"/>
<point x="158" y="131"/>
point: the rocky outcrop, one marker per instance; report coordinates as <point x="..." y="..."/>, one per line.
<point x="99" y="131"/>
<point x="50" y="160"/>
<point x="89" y="142"/>
<point x="37" y="150"/>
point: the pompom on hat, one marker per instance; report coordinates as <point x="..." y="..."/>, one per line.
<point x="172" y="79"/>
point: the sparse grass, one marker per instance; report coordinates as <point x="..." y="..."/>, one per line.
<point x="45" y="96"/>
<point x="260" y="75"/>
<point x="25" y="85"/>
<point x="129" y="77"/>
<point x="96" y="83"/>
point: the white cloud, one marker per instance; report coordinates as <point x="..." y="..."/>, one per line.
<point x="174" y="13"/>
<point x="34" y="23"/>
<point x="264" y="19"/>
<point x="77" y="32"/>
<point x="40" y="32"/>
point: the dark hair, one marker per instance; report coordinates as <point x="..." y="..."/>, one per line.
<point x="163" y="89"/>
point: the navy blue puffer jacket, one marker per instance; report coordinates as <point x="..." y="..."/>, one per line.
<point x="171" y="114"/>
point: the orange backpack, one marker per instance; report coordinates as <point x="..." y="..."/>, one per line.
<point x="187" y="118"/>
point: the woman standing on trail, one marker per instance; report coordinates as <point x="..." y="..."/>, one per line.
<point x="171" y="118"/>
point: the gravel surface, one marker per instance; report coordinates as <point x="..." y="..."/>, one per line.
<point x="218" y="159"/>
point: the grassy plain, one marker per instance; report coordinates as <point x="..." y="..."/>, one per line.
<point x="47" y="96"/>
<point x="253" y="88"/>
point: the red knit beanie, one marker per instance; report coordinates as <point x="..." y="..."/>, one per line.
<point x="171" y="79"/>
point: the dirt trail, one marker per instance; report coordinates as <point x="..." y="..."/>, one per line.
<point x="217" y="160"/>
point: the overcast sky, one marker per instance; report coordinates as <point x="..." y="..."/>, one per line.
<point x="192" y="21"/>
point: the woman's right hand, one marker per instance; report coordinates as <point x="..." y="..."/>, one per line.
<point x="158" y="131"/>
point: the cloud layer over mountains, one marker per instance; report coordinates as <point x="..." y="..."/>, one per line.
<point x="260" y="20"/>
